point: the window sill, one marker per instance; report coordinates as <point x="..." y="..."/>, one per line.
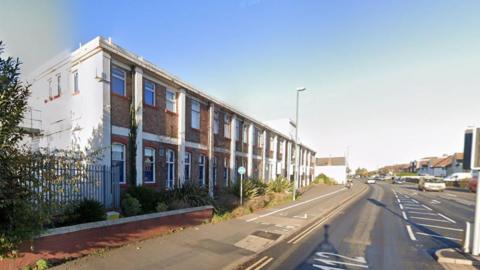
<point x="146" y="105"/>
<point x="170" y="112"/>
<point x="148" y="182"/>
<point x="76" y="93"/>
<point x="120" y="96"/>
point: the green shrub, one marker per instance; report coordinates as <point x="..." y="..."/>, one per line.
<point x="193" y="195"/>
<point x="251" y="188"/>
<point x="131" y="206"/>
<point x="323" y="179"/>
<point x="147" y="197"/>
<point x="161" y="207"/>
<point x="280" y="185"/>
<point x="84" y="211"/>
<point x="178" y="204"/>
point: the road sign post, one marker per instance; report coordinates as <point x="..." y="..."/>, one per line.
<point x="241" y="171"/>
<point x="475" y="167"/>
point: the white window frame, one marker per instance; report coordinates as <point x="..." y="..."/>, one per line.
<point x="260" y="138"/>
<point x="238" y="126"/>
<point x="227" y="126"/>
<point x="151" y="90"/>
<point x="214" y="173"/>
<point x="124" y="160"/>
<point x="201" y="163"/>
<point x="153" y="164"/>
<point x="195" y="112"/>
<point x="59" y="85"/>
<point x="170" y="182"/>
<point x="216" y="122"/>
<point x="226" y="171"/>
<point x="50" y="88"/>
<point x="188" y="165"/>
<point x="119" y="77"/>
<point x="76" y="83"/>
<point x="272" y="144"/>
<point x="171" y="101"/>
<point x="245" y="134"/>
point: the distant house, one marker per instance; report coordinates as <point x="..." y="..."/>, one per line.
<point x="334" y="167"/>
<point x="448" y="165"/>
<point x="424" y="165"/>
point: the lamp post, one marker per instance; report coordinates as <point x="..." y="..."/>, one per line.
<point x="297" y="150"/>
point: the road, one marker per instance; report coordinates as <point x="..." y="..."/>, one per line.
<point x="390" y="227"/>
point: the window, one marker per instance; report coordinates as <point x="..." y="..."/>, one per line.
<point x="58" y="89"/>
<point x="188" y="163"/>
<point x="260" y="138"/>
<point x="118" y="162"/>
<point x="149" y="165"/>
<point x="225" y="171"/>
<point x="149" y="93"/>
<point x="227" y="128"/>
<point x="237" y="129"/>
<point x="50" y="89"/>
<point x="195" y="114"/>
<point x="245" y="134"/>
<point x="281" y="149"/>
<point x="76" y="90"/>
<point x="214" y="174"/>
<point x="170" y="99"/>
<point x="118" y="81"/>
<point x="271" y="144"/>
<point x="170" y="156"/>
<point x="216" y="122"/>
<point x="201" y="170"/>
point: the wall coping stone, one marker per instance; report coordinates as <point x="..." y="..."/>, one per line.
<point x="106" y="223"/>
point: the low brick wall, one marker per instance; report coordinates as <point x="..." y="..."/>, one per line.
<point x="78" y="240"/>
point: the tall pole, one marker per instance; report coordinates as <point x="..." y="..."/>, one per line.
<point x="297" y="154"/>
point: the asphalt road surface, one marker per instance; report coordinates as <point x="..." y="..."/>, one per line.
<point x="390" y="227"/>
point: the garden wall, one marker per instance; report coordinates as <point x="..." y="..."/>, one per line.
<point x="78" y="240"/>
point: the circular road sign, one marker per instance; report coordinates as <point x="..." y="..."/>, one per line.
<point x="241" y="170"/>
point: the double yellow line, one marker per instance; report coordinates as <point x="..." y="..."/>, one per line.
<point x="311" y="228"/>
<point x="260" y="263"/>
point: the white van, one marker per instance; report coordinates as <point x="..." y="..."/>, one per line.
<point x="458" y="176"/>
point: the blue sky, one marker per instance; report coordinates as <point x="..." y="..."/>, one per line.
<point x="391" y="80"/>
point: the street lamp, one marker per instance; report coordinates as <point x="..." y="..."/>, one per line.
<point x="297" y="150"/>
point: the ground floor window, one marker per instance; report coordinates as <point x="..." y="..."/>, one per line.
<point x="170" y="157"/>
<point x="214" y="175"/>
<point x="226" y="170"/>
<point x="201" y="170"/>
<point x="188" y="162"/>
<point x="149" y="165"/>
<point x="118" y="162"/>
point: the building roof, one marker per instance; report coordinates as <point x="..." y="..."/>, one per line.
<point x="106" y="44"/>
<point x="443" y="162"/>
<point x="458" y="156"/>
<point x="330" y="161"/>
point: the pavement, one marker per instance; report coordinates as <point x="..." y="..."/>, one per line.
<point x="390" y="227"/>
<point x="227" y="244"/>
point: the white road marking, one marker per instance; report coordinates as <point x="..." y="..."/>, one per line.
<point x="422" y="213"/>
<point x="440" y="227"/>
<point x="438" y="236"/>
<point x="435" y="202"/>
<point x="410" y="233"/>
<point x="447" y="218"/>
<point x="398" y="200"/>
<point x="415" y="201"/>
<point x="414" y="208"/>
<point x="404" y="215"/>
<point x="451" y="195"/>
<point x="427" y="207"/>
<point x="432" y="219"/>
<point x="302" y="217"/>
<point x="260" y="263"/>
<point x="401" y="206"/>
<point x="295" y="205"/>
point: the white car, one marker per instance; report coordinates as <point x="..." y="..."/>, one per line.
<point x="371" y="181"/>
<point x="431" y="184"/>
<point x="458" y="176"/>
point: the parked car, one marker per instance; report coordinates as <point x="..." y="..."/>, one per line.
<point x="472" y="185"/>
<point x="458" y="176"/>
<point x="431" y="184"/>
<point x="398" y="180"/>
<point x="371" y="181"/>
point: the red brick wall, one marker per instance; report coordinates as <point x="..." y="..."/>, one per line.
<point x="76" y="244"/>
<point x="156" y="119"/>
<point x="120" y="105"/>
<point x="193" y="134"/>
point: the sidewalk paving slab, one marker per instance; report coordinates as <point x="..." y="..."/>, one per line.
<point x="216" y="246"/>
<point x="457" y="257"/>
